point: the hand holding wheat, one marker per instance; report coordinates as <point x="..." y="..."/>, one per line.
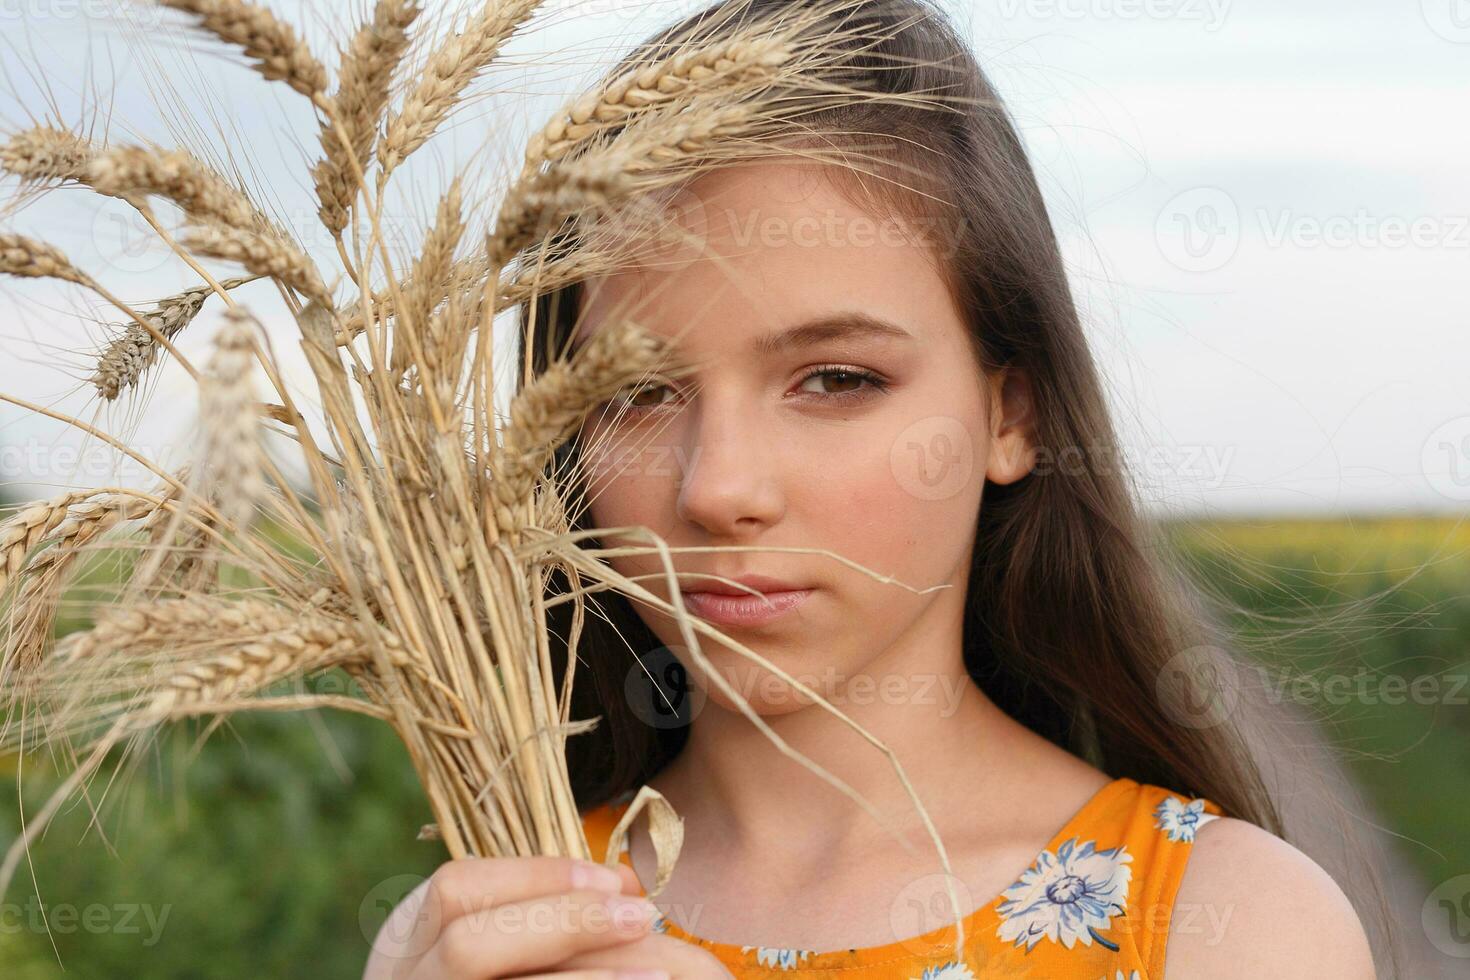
<point x="473" y="918"/>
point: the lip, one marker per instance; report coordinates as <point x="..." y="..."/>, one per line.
<point x="744" y="610"/>
<point x="761" y="583"/>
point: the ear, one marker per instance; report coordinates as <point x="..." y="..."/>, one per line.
<point x="1012" y="427"/>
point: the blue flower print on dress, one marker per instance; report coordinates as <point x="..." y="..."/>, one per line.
<point x="947" y="971"/>
<point x="1180" y="820"/>
<point x="781" y="959"/>
<point x="1120" y="975"/>
<point x="1067" y="897"/>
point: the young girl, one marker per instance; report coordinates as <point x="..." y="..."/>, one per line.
<point x="892" y="369"/>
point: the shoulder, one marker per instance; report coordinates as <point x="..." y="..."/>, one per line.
<point x="1251" y="904"/>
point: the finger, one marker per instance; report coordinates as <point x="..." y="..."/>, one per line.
<point x="460" y="887"/>
<point x="631" y="884"/>
<point x="467" y="885"/>
<point x="681" y="960"/>
<point x="514" y="938"/>
<point x="631" y="974"/>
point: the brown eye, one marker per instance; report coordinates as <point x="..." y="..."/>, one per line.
<point x="643" y="397"/>
<point x="844" y="381"/>
<point x="838" y="383"/>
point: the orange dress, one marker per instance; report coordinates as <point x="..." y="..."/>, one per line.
<point x="1096" y="903"/>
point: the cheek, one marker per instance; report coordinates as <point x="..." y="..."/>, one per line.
<point x="905" y="502"/>
<point x="632" y="487"/>
<point x="877" y="521"/>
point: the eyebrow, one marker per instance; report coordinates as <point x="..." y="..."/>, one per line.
<point x="842" y="325"/>
<point x="847" y="324"/>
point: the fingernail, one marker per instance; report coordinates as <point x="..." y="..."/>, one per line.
<point x="630" y="912"/>
<point x="600" y="877"/>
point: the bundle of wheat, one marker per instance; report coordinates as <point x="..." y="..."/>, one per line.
<point x="427" y="533"/>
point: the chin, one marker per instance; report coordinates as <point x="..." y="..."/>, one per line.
<point x="763" y="708"/>
<point x="766" y="692"/>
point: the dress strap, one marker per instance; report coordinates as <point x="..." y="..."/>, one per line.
<point x="1160" y="834"/>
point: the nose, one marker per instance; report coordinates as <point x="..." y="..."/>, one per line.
<point x="731" y="485"/>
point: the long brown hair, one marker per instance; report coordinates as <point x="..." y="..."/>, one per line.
<point x="1077" y="622"/>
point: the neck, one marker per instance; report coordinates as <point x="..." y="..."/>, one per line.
<point x="955" y="747"/>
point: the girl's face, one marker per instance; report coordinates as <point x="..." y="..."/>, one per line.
<point x="837" y="405"/>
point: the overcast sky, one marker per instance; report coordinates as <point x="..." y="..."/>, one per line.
<point x="1264" y="212"/>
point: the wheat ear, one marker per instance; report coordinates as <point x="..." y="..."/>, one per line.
<point x="448" y="71"/>
<point x="279" y="54"/>
<point x="652" y="152"/>
<point x="67" y="523"/>
<point x="69" y="527"/>
<point x="88" y="518"/>
<point x="46" y="153"/>
<point x="192" y="622"/>
<point x="358" y="105"/>
<point x="262" y="254"/>
<point x="30" y="259"/>
<point x="538" y="206"/>
<point x="27" y="527"/>
<point x="429" y="283"/>
<point x="147" y="662"/>
<point x="129" y="172"/>
<point x="725" y="66"/>
<point x="126" y="357"/>
<point x="233" y="459"/>
<point x="546" y="412"/>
